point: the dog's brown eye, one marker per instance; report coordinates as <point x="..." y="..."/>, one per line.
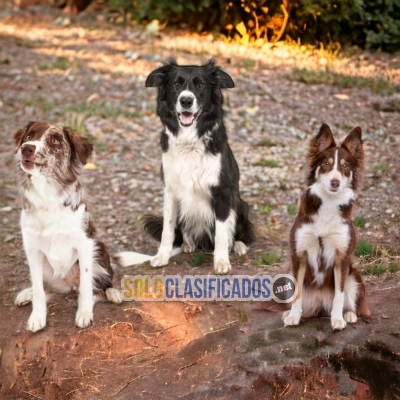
<point x="326" y="162"/>
<point x="200" y="86"/>
<point x="176" y="85"/>
<point x="55" y="141"/>
<point x="29" y="137"/>
<point x="345" y="166"/>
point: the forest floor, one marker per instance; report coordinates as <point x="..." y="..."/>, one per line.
<point x="89" y="74"/>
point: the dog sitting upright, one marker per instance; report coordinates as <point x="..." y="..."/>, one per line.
<point x="323" y="237"/>
<point x="57" y="231"/>
<point x="202" y="206"/>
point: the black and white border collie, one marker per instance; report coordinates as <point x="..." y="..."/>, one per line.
<point x="57" y="231"/>
<point x="323" y="237"/>
<point x="202" y="206"/>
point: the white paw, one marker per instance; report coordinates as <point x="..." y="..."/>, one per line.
<point x="84" y="318"/>
<point x="291" y="320"/>
<point x="36" y="321"/>
<point x="24" y="297"/>
<point x="350" y="317"/>
<point x="338" y="323"/>
<point x="160" y="259"/>
<point x="114" y="295"/>
<point x="187" y="248"/>
<point x="240" y="248"/>
<point x="222" y="266"/>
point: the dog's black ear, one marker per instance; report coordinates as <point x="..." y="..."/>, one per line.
<point x="19" y="135"/>
<point x="353" y="143"/>
<point x="221" y="78"/>
<point x="159" y="76"/>
<point x="324" y="140"/>
<point x="81" y="148"/>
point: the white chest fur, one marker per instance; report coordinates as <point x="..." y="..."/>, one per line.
<point x="189" y="173"/>
<point x="52" y="228"/>
<point x="327" y="235"/>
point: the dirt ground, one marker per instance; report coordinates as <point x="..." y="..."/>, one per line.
<point x="89" y="74"/>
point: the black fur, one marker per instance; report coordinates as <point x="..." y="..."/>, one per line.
<point x="205" y="82"/>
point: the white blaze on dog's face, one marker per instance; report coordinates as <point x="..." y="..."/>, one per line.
<point x="189" y="95"/>
<point x="333" y="167"/>
<point x="187" y="107"/>
<point x="51" y="151"/>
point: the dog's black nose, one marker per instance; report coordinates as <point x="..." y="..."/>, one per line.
<point x="28" y="150"/>
<point x="186" y="102"/>
<point x="335" y="183"/>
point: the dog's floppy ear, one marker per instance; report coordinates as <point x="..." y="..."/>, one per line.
<point x="221" y="78"/>
<point x="81" y="148"/>
<point x="353" y="143"/>
<point x="160" y="75"/>
<point x="19" y="135"/>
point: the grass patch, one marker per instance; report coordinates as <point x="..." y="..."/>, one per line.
<point x="198" y="259"/>
<point x="365" y="248"/>
<point x="360" y="222"/>
<point x="377" y="84"/>
<point x="265" y="209"/>
<point x="394" y="267"/>
<point x="132" y="114"/>
<point x="241" y="259"/>
<point x="242" y="315"/>
<point x="8" y="160"/>
<point x="376" y="270"/>
<point x="47" y="107"/>
<point x="267" y="259"/>
<point x="380" y="169"/>
<point x="60" y="63"/>
<point x="266" y="163"/>
<point x="267" y="143"/>
<point x="292" y="208"/>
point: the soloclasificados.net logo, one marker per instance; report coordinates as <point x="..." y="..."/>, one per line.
<point x="282" y="288"/>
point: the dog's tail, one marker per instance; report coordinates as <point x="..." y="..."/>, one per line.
<point x="128" y="258"/>
<point x="153" y="225"/>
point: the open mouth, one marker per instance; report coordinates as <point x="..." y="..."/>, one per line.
<point x="186" y="118"/>
<point x="29" y="164"/>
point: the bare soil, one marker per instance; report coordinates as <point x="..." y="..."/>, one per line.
<point x="89" y="74"/>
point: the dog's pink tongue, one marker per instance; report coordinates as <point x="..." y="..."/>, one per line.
<point x="186" y="118"/>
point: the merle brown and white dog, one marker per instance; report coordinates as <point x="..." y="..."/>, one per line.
<point x="58" y="233"/>
<point x="202" y="205"/>
<point x="323" y="237"/>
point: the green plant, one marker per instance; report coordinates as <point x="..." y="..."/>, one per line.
<point x="378" y="270"/>
<point x="266" y="163"/>
<point x="364" y="248"/>
<point x="394" y="267"/>
<point x="377" y="84"/>
<point x="360" y="222"/>
<point x="380" y="169"/>
<point x="292" y="208"/>
<point x="267" y="143"/>
<point x="198" y="259"/>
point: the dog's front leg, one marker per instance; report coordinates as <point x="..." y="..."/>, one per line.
<point x="293" y="316"/>
<point x="340" y="273"/>
<point x="84" y="315"/>
<point x="168" y="233"/>
<point x="224" y="231"/>
<point x="37" y="319"/>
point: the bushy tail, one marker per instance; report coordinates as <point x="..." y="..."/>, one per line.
<point x="127" y="258"/>
<point x="153" y="225"/>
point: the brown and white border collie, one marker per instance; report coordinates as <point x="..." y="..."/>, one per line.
<point x="323" y="237"/>
<point x="57" y="231"/>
